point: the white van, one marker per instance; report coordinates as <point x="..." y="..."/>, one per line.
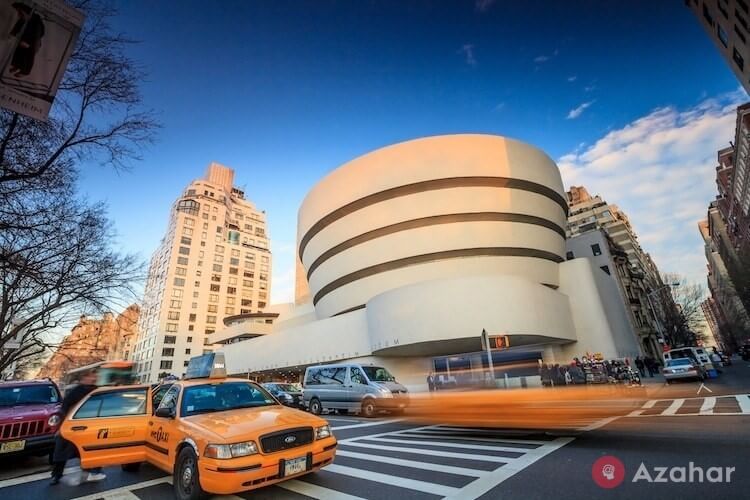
<point x="698" y="354"/>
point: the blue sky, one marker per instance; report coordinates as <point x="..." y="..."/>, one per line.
<point x="285" y="91"/>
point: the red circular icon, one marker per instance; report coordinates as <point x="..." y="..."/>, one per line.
<point x="608" y="472"/>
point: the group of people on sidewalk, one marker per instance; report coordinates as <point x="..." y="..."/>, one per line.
<point x="647" y="364"/>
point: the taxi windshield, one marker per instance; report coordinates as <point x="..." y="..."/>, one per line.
<point x="225" y="396"/>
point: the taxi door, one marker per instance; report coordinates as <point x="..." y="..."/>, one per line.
<point x="109" y="426"/>
<point x="163" y="431"/>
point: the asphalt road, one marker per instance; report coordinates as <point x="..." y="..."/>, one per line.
<point x="388" y="458"/>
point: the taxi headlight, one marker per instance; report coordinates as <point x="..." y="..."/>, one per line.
<point x="227" y="451"/>
<point x="322" y="432"/>
<point x="54" y="421"/>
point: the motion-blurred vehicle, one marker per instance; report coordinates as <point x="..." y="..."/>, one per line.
<point x="29" y="417"/>
<point x="365" y="389"/>
<point x="682" y="368"/>
<point x="287" y="394"/>
<point x="107" y="373"/>
<point x="744" y="351"/>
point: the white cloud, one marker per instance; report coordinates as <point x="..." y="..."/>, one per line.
<point x="541" y="59"/>
<point x="483" y="5"/>
<point x="283" y="269"/>
<point x="500" y="106"/>
<point x="572" y="78"/>
<point x="468" y="52"/>
<point x="659" y="169"/>
<point x="578" y="111"/>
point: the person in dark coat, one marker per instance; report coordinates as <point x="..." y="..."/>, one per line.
<point x="30" y="30"/>
<point x="430" y="382"/>
<point x="640" y="365"/>
<point x="64" y="449"/>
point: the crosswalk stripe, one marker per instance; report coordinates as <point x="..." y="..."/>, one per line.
<point x="315" y="491"/>
<point x="418" y="451"/>
<point x="673" y="407"/>
<point x="707" y="407"/>
<point x="367" y="424"/>
<point x="744" y="402"/>
<point x="447" y="469"/>
<point x="402" y="482"/>
<point x="30" y="478"/>
<point x="460" y="437"/>
<point x="490" y="480"/>
<point x="120" y="495"/>
<point x="130" y="487"/>
<point x="450" y="445"/>
<point x="467" y="437"/>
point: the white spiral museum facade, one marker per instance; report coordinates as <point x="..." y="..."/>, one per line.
<point x="432" y="208"/>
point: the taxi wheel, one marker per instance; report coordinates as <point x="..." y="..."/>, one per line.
<point x="315" y="407"/>
<point x="187" y="484"/>
<point x="131" y="467"/>
<point x="368" y="409"/>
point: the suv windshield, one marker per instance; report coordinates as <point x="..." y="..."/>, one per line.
<point x="378" y="374"/>
<point x="226" y="396"/>
<point x="28" y="395"/>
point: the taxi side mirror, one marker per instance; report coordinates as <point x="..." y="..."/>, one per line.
<point x="164" y="412"/>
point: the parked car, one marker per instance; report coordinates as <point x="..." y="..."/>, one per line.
<point x="287" y="394"/>
<point x="697" y="354"/>
<point x="29" y="417"/>
<point x="365" y="389"/>
<point x="682" y="368"/>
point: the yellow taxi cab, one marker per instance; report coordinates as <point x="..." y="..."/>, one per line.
<point x="213" y="434"/>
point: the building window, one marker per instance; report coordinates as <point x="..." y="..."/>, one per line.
<point x="263" y="277"/>
<point x="196" y="295"/>
<point x="180" y="271"/>
<point x="175" y="304"/>
<point x="248" y="274"/>
<point x="191" y="328"/>
<point x="213" y="297"/>
<point x="191" y="317"/>
<point x="176" y="292"/>
<point x="235" y="253"/>
<point x="167" y="351"/>
<point x="185" y="363"/>
<point x="230" y="301"/>
<point x="170" y="339"/>
<point x="229" y="310"/>
<point x="245" y="311"/>
<point x="739" y="34"/>
<point x="568" y="256"/>
<point x="165" y="365"/>
<point x="171" y="327"/>
<point x="232" y="281"/>
<point x="185" y="240"/>
<point x="210" y="320"/>
<point x="183" y="261"/>
<point x="707" y="15"/>
<point x="216" y="278"/>
<point x="217" y="268"/>
<point x="184" y="250"/>
<point x="231" y="290"/>
<point x="186" y="231"/>
<point x="188" y="206"/>
<point x="595" y="249"/>
<point x="190" y="339"/>
<point x="218" y="258"/>
<point x="173" y="315"/>
<point x="264" y="259"/>
<point x="233" y="270"/>
<point x="179" y="282"/>
<point x="187" y="351"/>
<point x="215" y="288"/>
<point x="261" y="305"/>
<point x="189" y="222"/>
<point x="246" y="302"/>
<point x="212" y="308"/>
<point x="605" y="269"/>
<point x="209" y="331"/>
<point x="234" y="261"/>
<point x="738" y="59"/>
<point x="206" y="341"/>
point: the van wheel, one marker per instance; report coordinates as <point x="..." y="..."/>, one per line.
<point x="131" y="467"/>
<point x="368" y="408"/>
<point x="187" y="485"/>
<point x="315" y="407"/>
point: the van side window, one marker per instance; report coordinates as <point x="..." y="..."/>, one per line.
<point x="357" y="377"/>
<point x="331" y="376"/>
<point x="313" y="377"/>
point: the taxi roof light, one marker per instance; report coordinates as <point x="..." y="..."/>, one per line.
<point x="209" y="365"/>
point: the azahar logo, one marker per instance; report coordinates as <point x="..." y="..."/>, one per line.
<point x="608" y="472"/>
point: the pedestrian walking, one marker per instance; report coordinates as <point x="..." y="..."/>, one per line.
<point x="640" y="365"/>
<point x="650" y="365"/>
<point x="64" y="449"/>
<point x="431" y="382"/>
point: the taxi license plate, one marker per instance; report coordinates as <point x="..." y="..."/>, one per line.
<point x="13" y="446"/>
<point x="295" y="466"/>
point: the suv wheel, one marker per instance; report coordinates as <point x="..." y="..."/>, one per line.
<point x="187" y="485"/>
<point x="315" y="407"/>
<point x="368" y="408"/>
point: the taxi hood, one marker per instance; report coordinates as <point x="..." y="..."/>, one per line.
<point x="249" y="423"/>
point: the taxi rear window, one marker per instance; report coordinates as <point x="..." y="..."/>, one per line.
<point x="114" y="404"/>
<point x="226" y="396"/>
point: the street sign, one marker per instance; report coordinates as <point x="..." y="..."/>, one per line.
<point x="37" y="38"/>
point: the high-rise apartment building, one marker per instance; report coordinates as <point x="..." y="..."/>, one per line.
<point x="214" y="262"/>
<point x="639" y="279"/>
<point x="727" y="23"/>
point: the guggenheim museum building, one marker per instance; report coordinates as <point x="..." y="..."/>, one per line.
<point x="408" y="252"/>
